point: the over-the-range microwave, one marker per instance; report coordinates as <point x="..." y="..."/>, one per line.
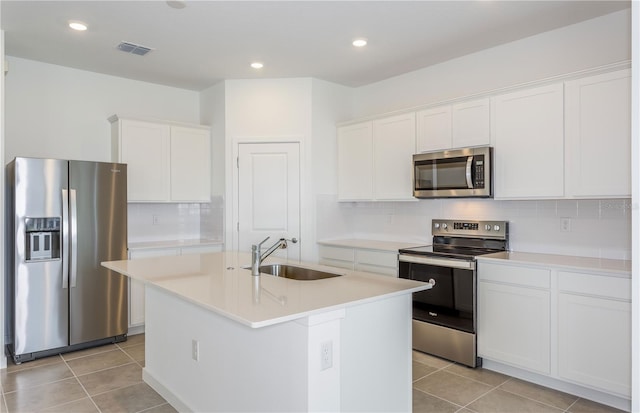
<point x="458" y="173"/>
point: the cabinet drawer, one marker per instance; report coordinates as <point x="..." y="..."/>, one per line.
<point x="377" y="258"/>
<point x="595" y="285"/>
<point x="336" y="263"/>
<point x="393" y="272"/>
<point x="517" y="275"/>
<point x="336" y="253"/>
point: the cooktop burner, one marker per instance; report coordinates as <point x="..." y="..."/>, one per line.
<point x="464" y="239"/>
<point x="449" y="251"/>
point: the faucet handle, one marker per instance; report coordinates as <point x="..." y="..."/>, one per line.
<point x="293" y="240"/>
<point x="263" y="241"/>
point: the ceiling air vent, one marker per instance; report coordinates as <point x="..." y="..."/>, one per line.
<point x="134" y="48"/>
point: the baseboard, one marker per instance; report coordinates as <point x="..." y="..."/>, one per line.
<point x="560" y="385"/>
<point x="173" y="400"/>
<point x="133" y="330"/>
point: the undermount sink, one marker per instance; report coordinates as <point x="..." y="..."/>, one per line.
<point x="295" y="273"/>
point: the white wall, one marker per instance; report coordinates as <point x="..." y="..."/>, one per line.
<point x="585" y="45"/>
<point x="3" y="360"/>
<point x="635" y="219"/>
<point x="301" y="110"/>
<point x="212" y="113"/>
<point x="268" y="110"/>
<point x="58" y="112"/>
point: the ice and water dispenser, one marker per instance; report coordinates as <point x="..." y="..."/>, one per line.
<point x="43" y="238"/>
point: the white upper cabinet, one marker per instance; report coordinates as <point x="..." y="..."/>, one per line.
<point x="598" y="135"/>
<point x="528" y="139"/>
<point x="144" y="147"/>
<point x="434" y="129"/>
<point x="471" y="123"/>
<point x="375" y="159"/>
<point x="190" y="164"/>
<point x="454" y="126"/>
<point x="394" y="143"/>
<point x="355" y="162"/>
<point x="166" y="163"/>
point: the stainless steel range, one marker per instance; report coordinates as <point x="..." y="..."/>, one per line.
<point x="444" y="317"/>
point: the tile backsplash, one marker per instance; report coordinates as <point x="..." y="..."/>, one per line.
<point x="172" y="221"/>
<point x="596" y="228"/>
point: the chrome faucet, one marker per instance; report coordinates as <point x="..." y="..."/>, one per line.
<point x="257" y="257"/>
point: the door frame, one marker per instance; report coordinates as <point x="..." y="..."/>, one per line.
<point x="231" y="234"/>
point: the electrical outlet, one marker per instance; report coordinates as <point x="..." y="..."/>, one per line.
<point x="326" y="355"/>
<point x="154" y="220"/>
<point x="195" y="350"/>
<point x="565" y="224"/>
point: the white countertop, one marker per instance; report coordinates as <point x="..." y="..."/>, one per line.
<point x="570" y="262"/>
<point x="178" y="243"/>
<point x="392" y="246"/>
<point x="218" y="282"/>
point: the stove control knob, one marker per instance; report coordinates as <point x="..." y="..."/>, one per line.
<point x="487" y="227"/>
<point x="444" y="226"/>
<point x="436" y="225"/>
<point x="496" y="227"/>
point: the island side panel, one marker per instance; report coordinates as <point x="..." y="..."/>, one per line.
<point x="376" y="356"/>
<point x="238" y="368"/>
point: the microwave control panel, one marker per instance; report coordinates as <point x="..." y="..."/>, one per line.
<point x="478" y="180"/>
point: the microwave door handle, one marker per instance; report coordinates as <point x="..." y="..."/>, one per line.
<point x="468" y="173"/>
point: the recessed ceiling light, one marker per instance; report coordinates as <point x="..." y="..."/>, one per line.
<point x="79" y="26"/>
<point x="257" y="65"/>
<point x="359" y="42"/>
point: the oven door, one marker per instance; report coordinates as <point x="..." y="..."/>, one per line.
<point x="451" y="300"/>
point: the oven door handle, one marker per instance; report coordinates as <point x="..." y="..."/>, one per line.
<point x="441" y="262"/>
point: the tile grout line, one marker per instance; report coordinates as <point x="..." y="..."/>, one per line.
<point x="440" y="398"/>
<point x="539" y="401"/>
<point x="81" y="385"/>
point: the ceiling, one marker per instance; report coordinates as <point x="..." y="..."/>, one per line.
<point x="208" y="41"/>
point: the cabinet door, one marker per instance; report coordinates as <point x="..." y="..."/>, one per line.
<point x="594" y="341"/>
<point x="471" y="123"/>
<point x="144" y="147"/>
<point x="355" y="162"/>
<point x="136" y="288"/>
<point x="434" y="129"/>
<point x="378" y="262"/>
<point x="394" y="143"/>
<point x="190" y="164"/>
<point x="337" y="256"/>
<point x="514" y="326"/>
<point x="598" y="135"/>
<point x="528" y="136"/>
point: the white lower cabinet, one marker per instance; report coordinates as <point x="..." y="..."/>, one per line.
<point x="566" y="325"/>
<point x="594" y="332"/>
<point x="513" y="316"/>
<point x="136" y="288"/>
<point x="514" y="325"/>
<point x="374" y="261"/>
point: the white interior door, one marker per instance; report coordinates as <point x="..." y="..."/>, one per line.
<point x="269" y="195"/>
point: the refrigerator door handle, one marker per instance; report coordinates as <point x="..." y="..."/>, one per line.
<point x="73" y="215"/>
<point x="65" y="238"/>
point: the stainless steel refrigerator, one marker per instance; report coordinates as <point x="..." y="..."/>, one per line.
<point x="63" y="218"/>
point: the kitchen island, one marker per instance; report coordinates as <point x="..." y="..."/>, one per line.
<point x="220" y="339"/>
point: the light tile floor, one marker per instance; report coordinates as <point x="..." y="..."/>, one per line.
<point x="443" y="386"/>
<point x="109" y="379"/>
<point x="102" y="379"/>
